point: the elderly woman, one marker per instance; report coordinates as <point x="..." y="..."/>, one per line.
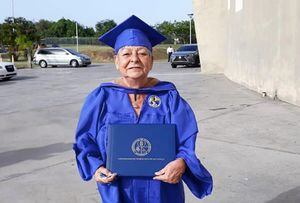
<point x="138" y="99"/>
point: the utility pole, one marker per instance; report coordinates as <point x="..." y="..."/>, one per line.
<point x="13" y="9"/>
<point x="191" y="17"/>
<point x="77" y="35"/>
<point x="13" y="17"/>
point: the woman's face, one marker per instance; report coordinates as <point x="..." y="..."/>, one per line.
<point x="134" y="62"/>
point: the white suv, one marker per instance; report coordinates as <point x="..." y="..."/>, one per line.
<point x="7" y="70"/>
<point x="60" y="56"/>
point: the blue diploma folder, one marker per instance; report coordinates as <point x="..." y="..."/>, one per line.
<point x="139" y="149"/>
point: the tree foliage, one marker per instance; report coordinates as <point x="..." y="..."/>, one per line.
<point x="21" y="34"/>
<point x="43" y="27"/>
<point x="167" y="29"/>
<point x="177" y="32"/>
<point x="62" y="28"/>
<point x="103" y="26"/>
<point x="18" y="34"/>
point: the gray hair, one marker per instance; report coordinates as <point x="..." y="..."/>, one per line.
<point x="149" y="51"/>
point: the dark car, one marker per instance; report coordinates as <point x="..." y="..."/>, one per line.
<point x="3" y="49"/>
<point x="187" y="55"/>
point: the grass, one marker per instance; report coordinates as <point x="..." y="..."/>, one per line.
<point x="105" y="53"/>
<point x="20" y="64"/>
<point x="100" y="54"/>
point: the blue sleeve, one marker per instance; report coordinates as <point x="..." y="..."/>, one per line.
<point x="87" y="152"/>
<point x="197" y="178"/>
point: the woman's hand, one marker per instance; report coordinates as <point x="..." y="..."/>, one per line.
<point x="172" y="172"/>
<point x="103" y="175"/>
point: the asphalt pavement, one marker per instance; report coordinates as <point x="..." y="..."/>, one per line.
<point x="250" y="143"/>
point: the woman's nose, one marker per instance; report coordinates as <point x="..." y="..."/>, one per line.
<point x="134" y="57"/>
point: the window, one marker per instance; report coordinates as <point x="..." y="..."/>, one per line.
<point x="44" y="52"/>
<point x="188" y="48"/>
<point x="58" y="51"/>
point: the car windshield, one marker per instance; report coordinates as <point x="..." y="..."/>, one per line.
<point x="188" y="48"/>
<point x="73" y="52"/>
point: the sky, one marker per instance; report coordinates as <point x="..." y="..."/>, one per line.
<point x="89" y="12"/>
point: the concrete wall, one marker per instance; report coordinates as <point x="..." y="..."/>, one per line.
<point x="211" y="31"/>
<point x="253" y="42"/>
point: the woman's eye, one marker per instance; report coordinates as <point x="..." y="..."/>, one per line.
<point x="142" y="53"/>
<point x="125" y="54"/>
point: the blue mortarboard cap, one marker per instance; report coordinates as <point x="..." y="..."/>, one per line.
<point x="132" y="32"/>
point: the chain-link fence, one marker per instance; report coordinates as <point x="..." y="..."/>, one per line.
<point x="71" y="40"/>
<point x="82" y="40"/>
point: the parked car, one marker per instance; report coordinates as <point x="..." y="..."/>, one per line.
<point x="3" y="49"/>
<point x="45" y="57"/>
<point x="7" y="70"/>
<point x="187" y="54"/>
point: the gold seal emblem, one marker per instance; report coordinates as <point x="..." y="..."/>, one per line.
<point x="154" y="101"/>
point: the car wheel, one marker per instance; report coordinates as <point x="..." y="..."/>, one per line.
<point x="196" y="65"/>
<point x="43" y="64"/>
<point x="173" y="65"/>
<point x="74" y="63"/>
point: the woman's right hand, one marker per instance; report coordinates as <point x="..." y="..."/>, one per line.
<point x="103" y="175"/>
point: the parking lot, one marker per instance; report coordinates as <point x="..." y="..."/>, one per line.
<point x="250" y="143"/>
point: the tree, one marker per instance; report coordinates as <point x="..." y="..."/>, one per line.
<point x="85" y="31"/>
<point x="15" y="28"/>
<point x="43" y="28"/>
<point x="177" y="30"/>
<point x="1" y="35"/>
<point x="104" y="26"/>
<point x="182" y="31"/>
<point x="25" y="44"/>
<point x="167" y="29"/>
<point x="67" y="28"/>
<point x="88" y="32"/>
<point x="8" y="35"/>
<point x="63" y="28"/>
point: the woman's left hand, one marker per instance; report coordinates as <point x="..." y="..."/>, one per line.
<point x="172" y="172"/>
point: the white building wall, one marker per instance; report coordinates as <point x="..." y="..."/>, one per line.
<point x="253" y="42"/>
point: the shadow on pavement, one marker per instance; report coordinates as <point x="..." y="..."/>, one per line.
<point x="38" y="153"/>
<point x="12" y="80"/>
<point x="290" y="196"/>
<point x="70" y="67"/>
<point x="6" y="82"/>
<point x="24" y="78"/>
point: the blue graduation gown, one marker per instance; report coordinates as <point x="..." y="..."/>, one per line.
<point x="109" y="103"/>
